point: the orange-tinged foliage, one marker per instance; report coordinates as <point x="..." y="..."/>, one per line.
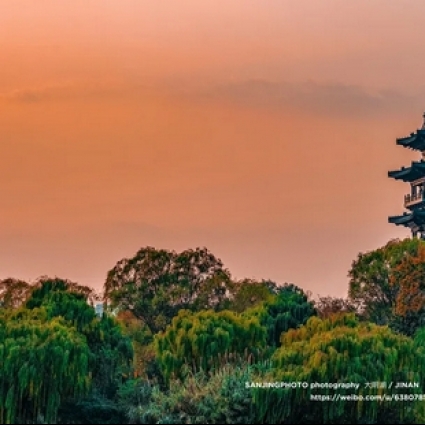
<point x="409" y="275"/>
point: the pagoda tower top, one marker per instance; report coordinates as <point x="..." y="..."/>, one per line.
<point x="416" y="140"/>
<point x="414" y="201"/>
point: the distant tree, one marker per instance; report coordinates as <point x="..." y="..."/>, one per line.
<point x="328" y="305"/>
<point x="373" y="285"/>
<point x="250" y="293"/>
<point x="341" y="350"/>
<point x="155" y="284"/>
<point x="203" y="340"/>
<point x="13" y="292"/>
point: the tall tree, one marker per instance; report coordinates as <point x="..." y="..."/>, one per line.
<point x="110" y="351"/>
<point x="373" y="286"/>
<point x="155" y="284"/>
<point x="41" y="363"/>
<point x="409" y="278"/>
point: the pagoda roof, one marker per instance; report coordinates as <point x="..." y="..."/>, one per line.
<point x="409" y="174"/>
<point x="416" y="218"/>
<point x="414" y="141"/>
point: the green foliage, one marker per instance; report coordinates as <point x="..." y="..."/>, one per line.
<point x="340" y="349"/>
<point x="155" y="284"/>
<point x="249" y="293"/>
<point x="218" y="397"/>
<point x="93" y="409"/>
<point x="373" y="287"/>
<point x="288" y="308"/>
<point x="108" y="353"/>
<point x="110" y="349"/>
<point x="203" y="340"/>
<point x="45" y="286"/>
<point x="41" y="362"/>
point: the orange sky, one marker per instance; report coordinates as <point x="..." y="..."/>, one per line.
<point x="261" y="130"/>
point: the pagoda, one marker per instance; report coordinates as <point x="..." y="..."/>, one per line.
<point x="414" y="201"/>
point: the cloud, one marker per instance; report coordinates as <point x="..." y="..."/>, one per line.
<point x="319" y="98"/>
<point x="66" y="90"/>
<point x="316" y="97"/>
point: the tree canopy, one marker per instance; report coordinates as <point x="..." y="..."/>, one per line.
<point x="375" y="279"/>
<point x="340" y="349"/>
<point x="155" y="284"/>
<point x="205" y="339"/>
<point x="41" y="363"/>
<point x="54" y="350"/>
<point x="13" y="292"/>
<point x="288" y="307"/>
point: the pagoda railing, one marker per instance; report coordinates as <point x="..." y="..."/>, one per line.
<point x="411" y="199"/>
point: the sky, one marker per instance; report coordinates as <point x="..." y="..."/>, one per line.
<point x="262" y="130"/>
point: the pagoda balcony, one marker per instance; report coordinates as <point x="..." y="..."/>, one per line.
<point x="414" y="200"/>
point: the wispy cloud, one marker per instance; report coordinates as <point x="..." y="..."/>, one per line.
<point x="66" y="90"/>
<point x="334" y="99"/>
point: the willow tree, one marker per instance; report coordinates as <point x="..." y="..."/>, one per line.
<point x="206" y="340"/>
<point x="341" y="350"/>
<point x="155" y="284"/>
<point x="111" y="351"/>
<point x="44" y="286"/>
<point x="42" y="362"/>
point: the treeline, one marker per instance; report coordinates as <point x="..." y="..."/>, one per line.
<point x="181" y="341"/>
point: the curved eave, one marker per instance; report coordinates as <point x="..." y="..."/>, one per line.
<point x="416" y="218"/>
<point x="410" y="174"/>
<point x="414" y="141"/>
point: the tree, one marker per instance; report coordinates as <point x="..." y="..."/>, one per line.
<point x="45" y="286"/>
<point x="327" y="306"/>
<point x="409" y="278"/>
<point x="155" y="284"/>
<point x="203" y="340"/>
<point x="41" y="363"/>
<point x="340" y="350"/>
<point x="110" y="352"/>
<point x="249" y="293"/>
<point x="13" y="292"/>
<point x="288" y="308"/>
<point x="142" y="341"/>
<point x="373" y="286"/>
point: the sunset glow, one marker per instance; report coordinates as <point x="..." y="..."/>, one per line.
<point x="261" y="130"/>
